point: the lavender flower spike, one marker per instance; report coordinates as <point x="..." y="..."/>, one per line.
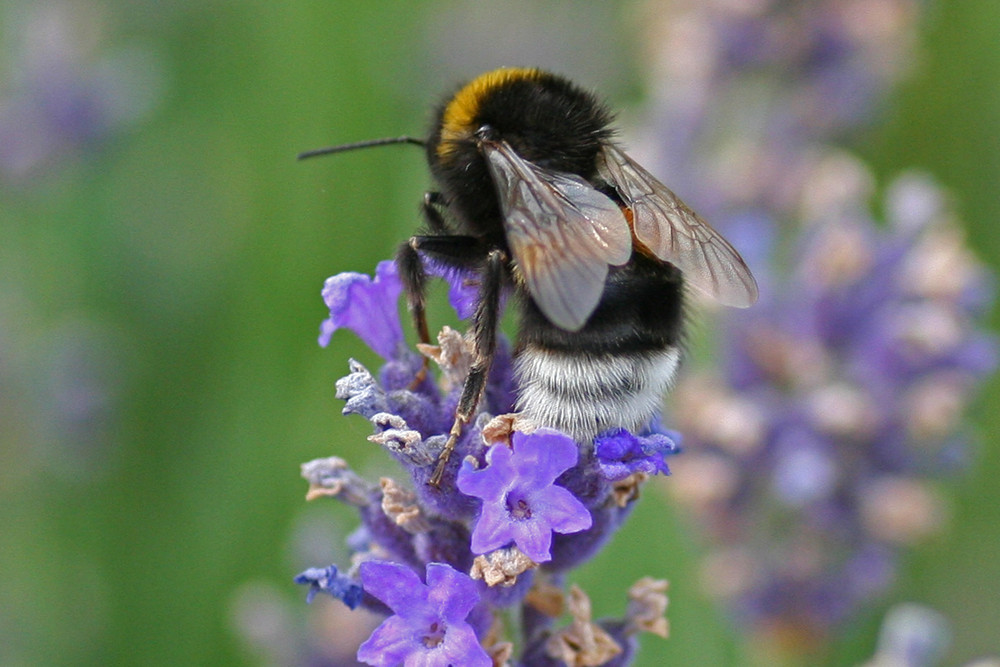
<point x="428" y="626"/>
<point x="367" y="307"/>
<point x="521" y="502"/>
<point x="496" y="517"/>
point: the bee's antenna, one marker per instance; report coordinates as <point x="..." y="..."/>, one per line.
<point x="361" y="144"/>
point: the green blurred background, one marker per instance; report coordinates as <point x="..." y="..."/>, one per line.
<point x="160" y="382"/>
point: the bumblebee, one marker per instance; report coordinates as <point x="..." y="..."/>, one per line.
<point x="535" y="197"/>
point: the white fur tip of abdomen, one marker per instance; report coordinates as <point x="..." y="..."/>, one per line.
<point x="584" y="395"/>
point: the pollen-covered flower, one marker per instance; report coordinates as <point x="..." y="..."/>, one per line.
<point x="429" y="625"/>
<point x="521" y="502"/>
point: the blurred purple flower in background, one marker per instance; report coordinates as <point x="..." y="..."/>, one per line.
<point x="742" y="91"/>
<point x="66" y="87"/>
<point x="812" y="454"/>
<point x="65" y="91"/>
<point x="812" y="450"/>
<point x="911" y="635"/>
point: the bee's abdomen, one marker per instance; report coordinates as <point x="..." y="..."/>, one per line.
<point x="612" y="372"/>
<point x="584" y="395"/>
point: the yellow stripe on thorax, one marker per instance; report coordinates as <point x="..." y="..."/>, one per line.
<point x="460" y="113"/>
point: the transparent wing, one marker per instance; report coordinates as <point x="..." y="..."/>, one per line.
<point x="675" y="233"/>
<point x="562" y="232"/>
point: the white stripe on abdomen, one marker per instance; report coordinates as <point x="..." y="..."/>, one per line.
<point x="583" y="395"/>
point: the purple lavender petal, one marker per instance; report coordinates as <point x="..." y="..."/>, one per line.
<point x="489" y="487"/>
<point x="493" y="529"/>
<point x="463" y="286"/>
<point x="620" y="453"/>
<point x="391" y="644"/>
<point x="521" y="504"/>
<point x="543" y="454"/>
<point x="460" y="647"/>
<point x="562" y="509"/>
<point x="396" y="585"/>
<point x="534" y="538"/>
<point x="452" y="592"/>
<point x="429" y="625"/>
<point x="369" y="308"/>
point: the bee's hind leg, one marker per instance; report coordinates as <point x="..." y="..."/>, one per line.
<point x="484" y="337"/>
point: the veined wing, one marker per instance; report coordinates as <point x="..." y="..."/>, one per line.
<point x="676" y="234"/>
<point x="562" y="232"/>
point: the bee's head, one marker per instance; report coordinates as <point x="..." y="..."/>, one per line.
<point x="546" y="119"/>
